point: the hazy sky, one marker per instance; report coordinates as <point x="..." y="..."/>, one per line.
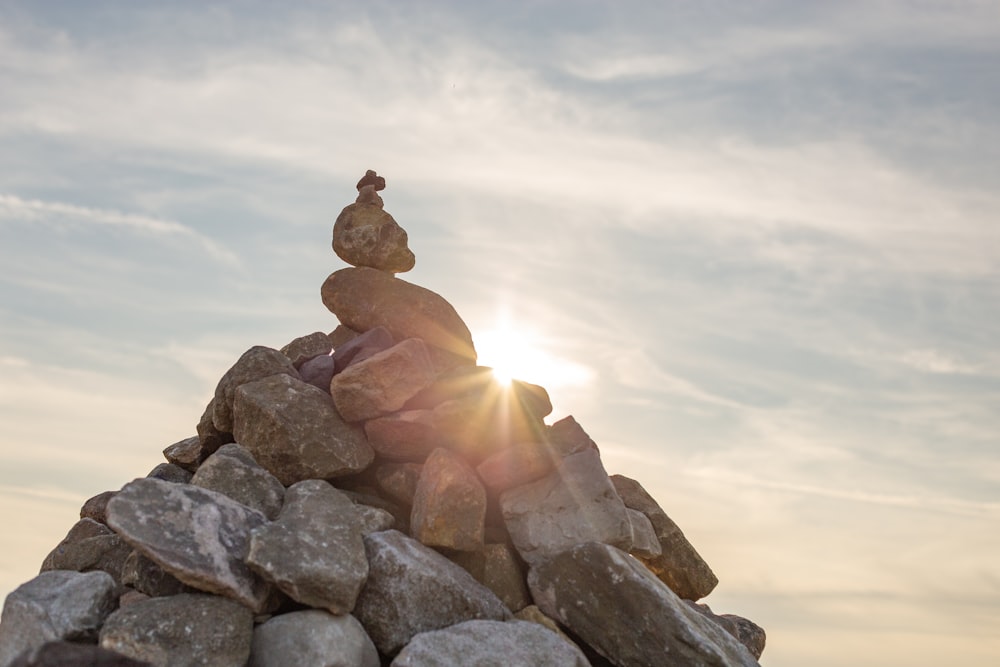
<point x="752" y="247"/>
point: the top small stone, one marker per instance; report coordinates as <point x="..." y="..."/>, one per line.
<point x="371" y="178"/>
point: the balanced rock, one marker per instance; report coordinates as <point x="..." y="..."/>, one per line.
<point x="294" y="431"/>
<point x="575" y="503"/>
<point x="233" y="471"/>
<point x="612" y="602"/>
<point x="55" y="605"/>
<point x="679" y="565"/>
<point x="382" y="383"/>
<point x="491" y="644"/>
<point x="313" y="551"/>
<point x="199" y="536"/>
<point x="182" y="630"/>
<point x="314" y="638"/>
<point x="364" y="298"/>
<point x="449" y="504"/>
<point x="365" y="235"/>
<point x="412" y="589"/>
<point x="256" y="363"/>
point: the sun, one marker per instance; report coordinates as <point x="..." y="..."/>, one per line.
<point x="520" y="354"/>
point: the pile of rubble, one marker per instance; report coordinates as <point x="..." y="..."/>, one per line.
<point x="371" y="497"/>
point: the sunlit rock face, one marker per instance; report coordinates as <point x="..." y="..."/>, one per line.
<point x="372" y="496"/>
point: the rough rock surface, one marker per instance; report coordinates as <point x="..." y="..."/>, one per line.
<point x="96" y="508"/>
<point x="72" y="654"/>
<point x="318" y="371"/>
<point x="182" y="630"/>
<point x="612" y="602"/>
<point x="404" y="436"/>
<point x="187" y="453"/>
<point x="199" y="536"/>
<point x="306" y="347"/>
<point x="233" y="471"/>
<point x="319" y="526"/>
<point x="744" y="630"/>
<point x="497" y="567"/>
<point x="491" y="644"/>
<point x="679" y="565"/>
<point x="55" y="605"/>
<point x="364" y="298"/>
<point x="449" y="504"/>
<point x="575" y="503"/>
<point x="293" y="430"/>
<point x="256" y="363"/>
<point x="148" y="578"/>
<point x="382" y="383"/>
<point x="412" y="589"/>
<point x="88" y="546"/>
<point x="361" y="347"/>
<point x="314" y="638"/>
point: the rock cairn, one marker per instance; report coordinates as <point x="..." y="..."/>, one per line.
<point x="373" y="497"/>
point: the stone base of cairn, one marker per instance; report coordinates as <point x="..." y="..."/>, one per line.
<point x="372" y="497"/>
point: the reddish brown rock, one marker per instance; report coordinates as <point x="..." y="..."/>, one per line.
<point x="518" y="464"/>
<point x="364" y="298"/>
<point x="382" y="383"/>
<point x="449" y="505"/>
<point x="404" y="436"/>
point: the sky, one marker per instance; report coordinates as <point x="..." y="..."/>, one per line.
<point x="752" y="247"/>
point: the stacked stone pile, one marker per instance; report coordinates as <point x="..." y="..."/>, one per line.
<point x="372" y="497"/>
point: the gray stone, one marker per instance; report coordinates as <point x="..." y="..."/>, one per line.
<point x="72" y="654"/>
<point x="644" y="541"/>
<point x="575" y="503"/>
<point x="212" y="438"/>
<point x="566" y="437"/>
<point x="304" y="348"/>
<point x="404" y="436"/>
<point x="96" y="508"/>
<point x="199" y="536"/>
<point x="318" y="371"/>
<point x="256" y="363"/>
<point x="449" y="504"/>
<point x="491" y="644"/>
<point x="412" y="589"/>
<point x="58" y="604"/>
<point x="314" y="638"/>
<point x="364" y="298"/>
<point x="187" y="453"/>
<point x="314" y="551"/>
<point x="149" y="579"/>
<point x="398" y="481"/>
<point x="497" y="567"/>
<point x="382" y="383"/>
<point x="366" y="235"/>
<point x="361" y="347"/>
<point x="233" y="471"/>
<point x="746" y="632"/>
<point x="293" y="430"/>
<point x="168" y="472"/>
<point x="679" y="565"/>
<point x="612" y="602"/>
<point x="182" y="630"/>
<point x="89" y="546"/>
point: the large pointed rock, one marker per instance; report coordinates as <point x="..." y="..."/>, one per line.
<point x="314" y="550"/>
<point x="412" y="589"/>
<point x="679" y="565"/>
<point x="182" y="630"/>
<point x="294" y="431"/>
<point x="233" y="471"/>
<point x="312" y="637"/>
<point x="255" y="364"/>
<point x="382" y="383"/>
<point x="575" y="503"/>
<point x="485" y="643"/>
<point x="55" y="605"/>
<point x="612" y="602"/>
<point x="364" y="298"/>
<point x="449" y="504"/>
<point x="199" y="536"/>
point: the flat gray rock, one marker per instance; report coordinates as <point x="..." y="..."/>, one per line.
<point x="314" y="551"/>
<point x="314" y="638"/>
<point x="199" y="536"/>
<point x="294" y="431"/>
<point x="678" y="564"/>
<point x="255" y="364"/>
<point x="58" y="604"/>
<point x="575" y="503"/>
<point x="491" y="644"/>
<point x="412" y="589"/>
<point x="233" y="471"/>
<point x="612" y="602"/>
<point x="182" y="630"/>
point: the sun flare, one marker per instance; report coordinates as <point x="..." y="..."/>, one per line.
<point x="520" y="355"/>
